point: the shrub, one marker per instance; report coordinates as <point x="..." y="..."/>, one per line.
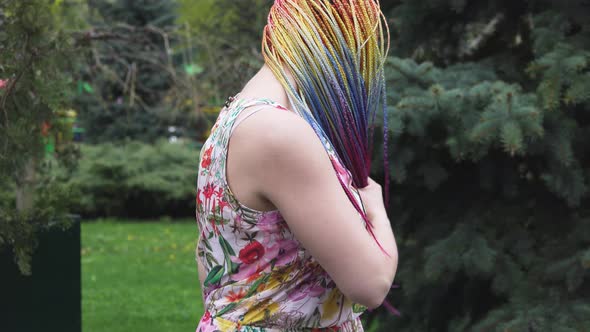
<point x="136" y="180"/>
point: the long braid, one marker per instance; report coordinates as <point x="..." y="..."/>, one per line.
<point x="335" y="50"/>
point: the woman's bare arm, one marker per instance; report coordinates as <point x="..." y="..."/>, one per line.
<point x="293" y="171"/>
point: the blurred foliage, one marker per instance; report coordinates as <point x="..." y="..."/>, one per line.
<point x="125" y="75"/>
<point x="225" y="37"/>
<point x="35" y="56"/>
<point x="135" y="82"/>
<point x="134" y="179"/>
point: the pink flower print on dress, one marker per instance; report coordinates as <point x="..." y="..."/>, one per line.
<point x="306" y="290"/>
<point x="288" y="250"/>
<point x="270" y="222"/>
<point x="206" y="324"/>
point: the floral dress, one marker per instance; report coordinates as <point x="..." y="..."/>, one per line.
<point x="259" y="278"/>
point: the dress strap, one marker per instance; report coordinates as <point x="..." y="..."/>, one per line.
<point x="247" y="106"/>
<point x="247" y="113"/>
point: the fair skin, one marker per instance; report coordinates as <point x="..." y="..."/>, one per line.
<point x="276" y="161"/>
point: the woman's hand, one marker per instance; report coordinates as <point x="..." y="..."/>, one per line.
<point x="372" y="197"/>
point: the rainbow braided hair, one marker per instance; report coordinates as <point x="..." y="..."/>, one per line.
<point x="335" y="50"/>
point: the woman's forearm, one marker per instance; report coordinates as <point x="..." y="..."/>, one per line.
<point x="386" y="238"/>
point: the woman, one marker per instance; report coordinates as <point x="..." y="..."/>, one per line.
<point x="282" y="247"/>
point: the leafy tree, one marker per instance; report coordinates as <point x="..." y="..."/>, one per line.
<point x="34" y="58"/>
<point x="130" y="86"/>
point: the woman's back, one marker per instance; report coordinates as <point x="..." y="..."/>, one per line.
<point x="258" y="275"/>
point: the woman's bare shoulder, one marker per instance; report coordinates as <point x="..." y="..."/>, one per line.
<point x="276" y="128"/>
<point x="277" y="142"/>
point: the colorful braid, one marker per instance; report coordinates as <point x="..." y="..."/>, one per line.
<point x="335" y="50"/>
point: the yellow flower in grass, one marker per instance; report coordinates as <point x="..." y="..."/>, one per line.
<point x="260" y="312"/>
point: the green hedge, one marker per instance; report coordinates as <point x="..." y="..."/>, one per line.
<point x="136" y="180"/>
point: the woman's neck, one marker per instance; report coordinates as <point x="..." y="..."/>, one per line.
<point x="265" y="85"/>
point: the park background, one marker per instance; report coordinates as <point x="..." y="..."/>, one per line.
<point x="104" y="106"/>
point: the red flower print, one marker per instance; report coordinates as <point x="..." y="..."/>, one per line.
<point x="209" y="190"/>
<point x="206" y="316"/>
<point x="219" y="192"/>
<point x="207" y="157"/>
<point x="254" y="258"/>
<point x="234" y="297"/>
<point x="212" y="221"/>
<point x="252" y="252"/>
<point x="222" y="205"/>
<point x="254" y="276"/>
<point x="199" y="201"/>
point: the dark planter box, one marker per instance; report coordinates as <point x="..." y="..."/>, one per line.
<point x="50" y="299"/>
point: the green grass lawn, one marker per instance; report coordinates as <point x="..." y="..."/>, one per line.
<point x="140" y="276"/>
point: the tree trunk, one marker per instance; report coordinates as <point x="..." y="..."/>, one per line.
<point x="25" y="186"/>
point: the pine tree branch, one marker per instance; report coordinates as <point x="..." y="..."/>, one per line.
<point x="13" y="82"/>
<point x="473" y="45"/>
<point x="411" y="78"/>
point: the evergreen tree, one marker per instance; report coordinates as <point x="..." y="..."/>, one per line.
<point x="129" y="71"/>
<point x="34" y="85"/>
<point x="489" y="157"/>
